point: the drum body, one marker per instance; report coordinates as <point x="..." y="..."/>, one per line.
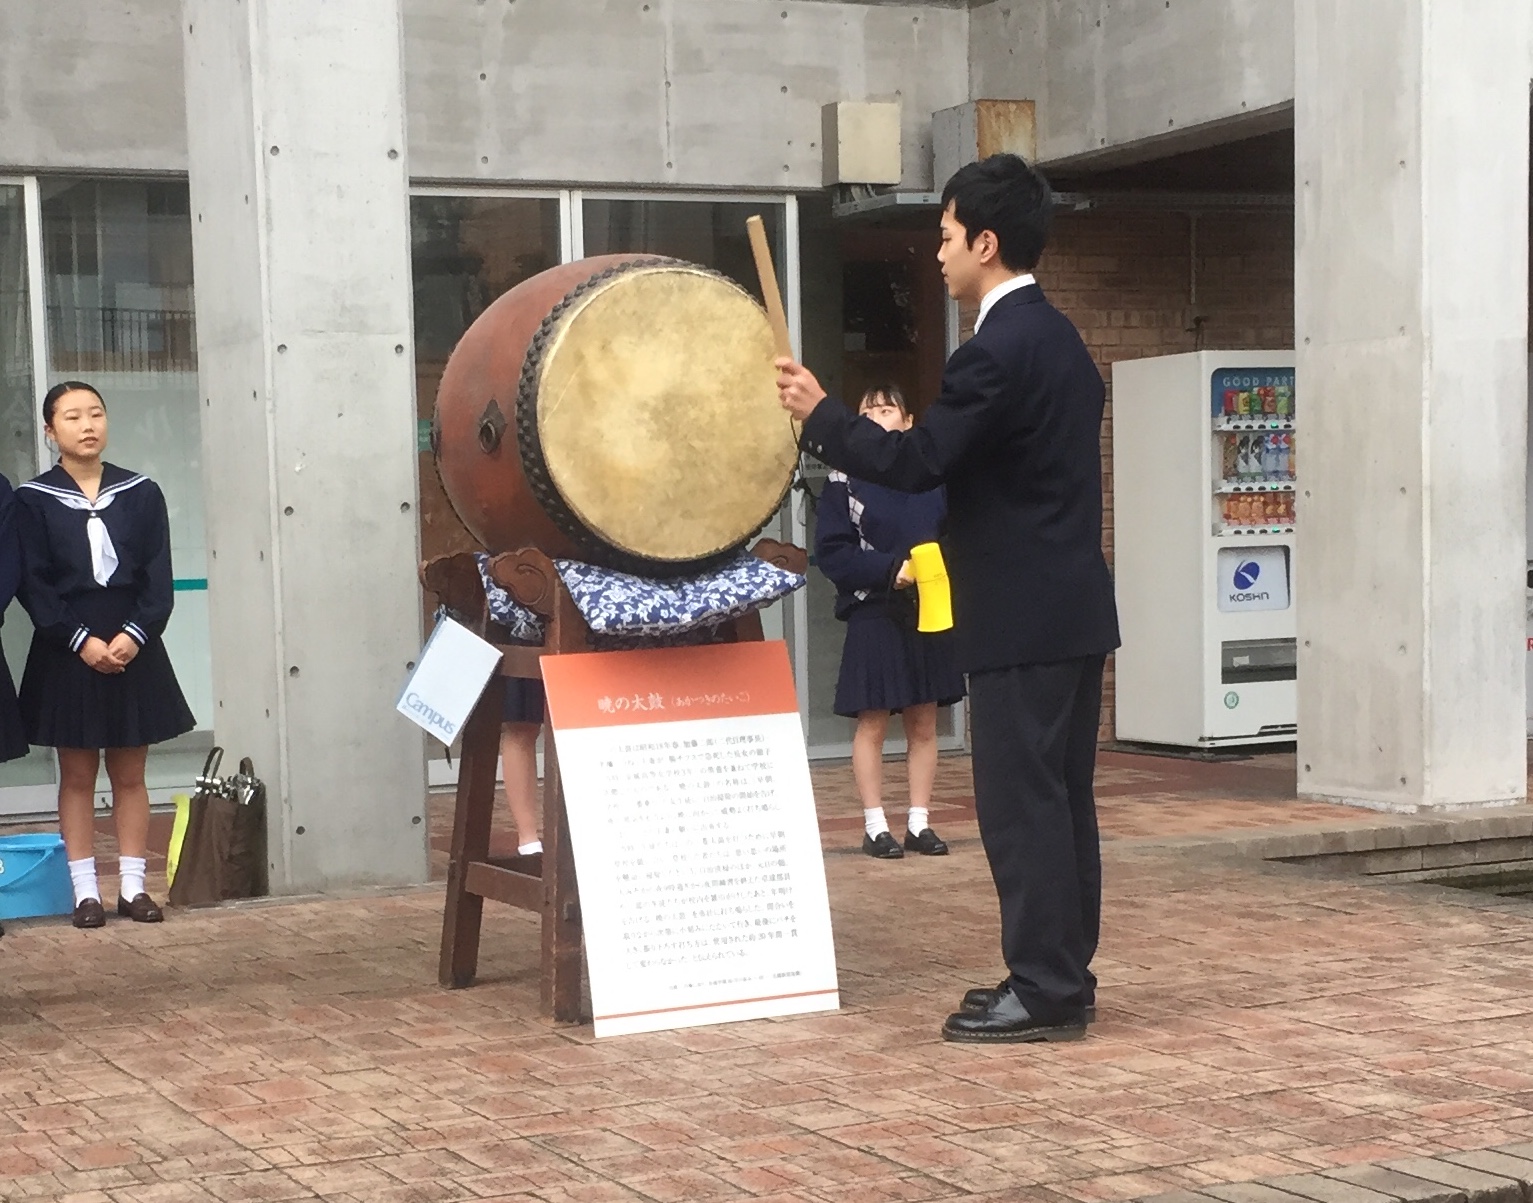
<point x="620" y="410"/>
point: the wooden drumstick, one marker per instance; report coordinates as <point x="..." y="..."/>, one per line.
<point x="767" y="274"/>
<point x="769" y="290"/>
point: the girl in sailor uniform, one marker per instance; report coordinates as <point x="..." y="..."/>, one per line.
<point x="863" y="536"/>
<point x="96" y="580"/>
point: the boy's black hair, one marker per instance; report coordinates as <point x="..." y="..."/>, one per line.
<point x="51" y="397"/>
<point x="1007" y="196"/>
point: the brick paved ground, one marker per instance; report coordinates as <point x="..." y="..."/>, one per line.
<point x="1256" y="1021"/>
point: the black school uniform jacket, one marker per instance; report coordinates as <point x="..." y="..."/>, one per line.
<point x="56" y="558"/>
<point x="1015" y="437"/>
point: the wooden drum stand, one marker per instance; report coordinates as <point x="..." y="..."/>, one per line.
<point x="544" y="882"/>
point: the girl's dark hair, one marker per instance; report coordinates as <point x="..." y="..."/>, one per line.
<point x="890" y="393"/>
<point x="51" y="397"/>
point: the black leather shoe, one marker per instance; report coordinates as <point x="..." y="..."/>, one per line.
<point x="1008" y="1022"/>
<point x="927" y="843"/>
<point x="141" y="910"/>
<point x="89" y="913"/>
<point x="982" y="998"/>
<point x="882" y="846"/>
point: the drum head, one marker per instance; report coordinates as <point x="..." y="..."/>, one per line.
<point x="658" y="417"/>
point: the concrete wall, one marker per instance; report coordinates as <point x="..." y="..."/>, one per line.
<point x="674" y="92"/>
<point x="1412" y="321"/>
<point x="301" y="238"/>
<point x="683" y="92"/>
<point x="91" y="84"/>
<point x="1145" y="74"/>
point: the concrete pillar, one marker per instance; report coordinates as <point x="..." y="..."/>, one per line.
<point x="299" y="190"/>
<point x="1411" y="130"/>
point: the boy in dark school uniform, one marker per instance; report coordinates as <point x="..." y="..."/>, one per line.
<point x="1014" y="436"/>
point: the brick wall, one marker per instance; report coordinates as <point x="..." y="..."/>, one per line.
<point x="1125" y="279"/>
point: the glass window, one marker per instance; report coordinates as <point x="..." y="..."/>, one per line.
<point x="710" y="233"/>
<point x="117" y="278"/>
<point x="18" y="460"/>
<point x="18" y="434"/>
<point x="873" y="314"/>
<point x="465" y="252"/>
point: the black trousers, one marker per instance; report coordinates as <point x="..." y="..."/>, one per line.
<point x="1034" y="734"/>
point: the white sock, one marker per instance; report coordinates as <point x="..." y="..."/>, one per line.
<point x="131" y="870"/>
<point x="83" y="874"/>
<point x="920" y="819"/>
<point x="529" y="848"/>
<point x="873" y="821"/>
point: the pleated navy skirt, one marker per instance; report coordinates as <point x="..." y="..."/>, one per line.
<point x="67" y="704"/>
<point x="888" y="665"/>
<point x="523" y="701"/>
<point x="13" y="735"/>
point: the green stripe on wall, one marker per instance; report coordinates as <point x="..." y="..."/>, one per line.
<point x="190" y="584"/>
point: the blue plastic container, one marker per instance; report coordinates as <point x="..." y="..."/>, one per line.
<point x="34" y="877"/>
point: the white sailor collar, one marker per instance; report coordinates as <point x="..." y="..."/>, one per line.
<point x="57" y="483"/>
<point x="103" y="553"/>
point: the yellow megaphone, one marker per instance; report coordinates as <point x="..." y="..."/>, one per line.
<point x="936" y="598"/>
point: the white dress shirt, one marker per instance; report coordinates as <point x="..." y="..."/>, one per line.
<point x="999" y="291"/>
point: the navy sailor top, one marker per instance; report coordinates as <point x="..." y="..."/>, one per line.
<point x="864" y="533"/>
<point x="51" y="519"/>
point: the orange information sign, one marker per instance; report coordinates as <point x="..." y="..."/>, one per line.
<point x="613" y="689"/>
<point x="697" y="849"/>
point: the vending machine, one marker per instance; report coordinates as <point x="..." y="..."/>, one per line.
<point x="1205" y="464"/>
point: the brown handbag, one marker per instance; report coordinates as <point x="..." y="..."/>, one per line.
<point x="223" y="854"/>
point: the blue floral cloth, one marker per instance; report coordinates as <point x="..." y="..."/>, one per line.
<point x="619" y="604"/>
<point x="524" y="626"/>
<point x="624" y="610"/>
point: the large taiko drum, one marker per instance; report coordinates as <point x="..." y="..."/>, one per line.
<point x="621" y="410"/>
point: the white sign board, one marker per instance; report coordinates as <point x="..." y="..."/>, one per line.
<point x="697" y="848"/>
<point x="1252" y="578"/>
<point x="451" y="674"/>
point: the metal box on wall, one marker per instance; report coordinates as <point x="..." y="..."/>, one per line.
<point x="861" y="142"/>
<point x="979" y="129"/>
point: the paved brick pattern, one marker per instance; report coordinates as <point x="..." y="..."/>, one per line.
<point x="1502" y="1175"/>
<point x="1258" y="1022"/>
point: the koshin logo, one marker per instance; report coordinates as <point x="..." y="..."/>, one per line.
<point x="1245" y="578"/>
<point x="419" y="705"/>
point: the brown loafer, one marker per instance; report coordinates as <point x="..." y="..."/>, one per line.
<point x="89" y="913"/>
<point x="141" y="910"/>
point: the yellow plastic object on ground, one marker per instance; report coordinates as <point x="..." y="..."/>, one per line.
<point x="936" y="609"/>
<point x="177" y="835"/>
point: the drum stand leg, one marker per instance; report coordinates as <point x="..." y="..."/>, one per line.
<point x="543" y="883"/>
<point x="472" y="817"/>
<point x="563" y="935"/>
